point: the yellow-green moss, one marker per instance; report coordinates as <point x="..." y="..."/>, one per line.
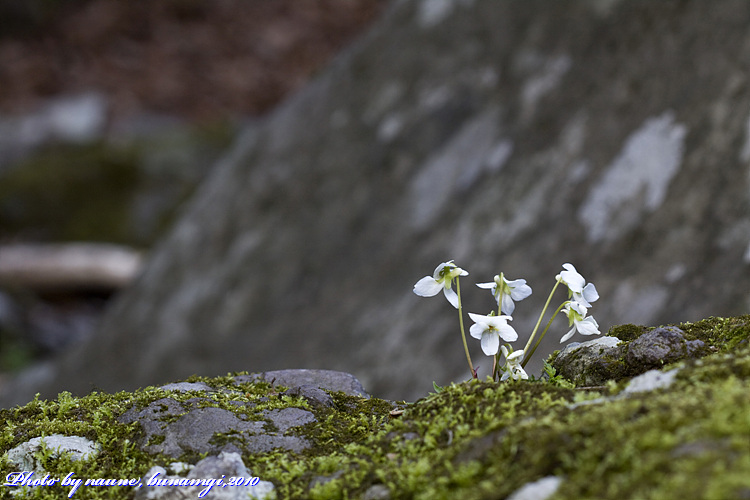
<point x="475" y="440"/>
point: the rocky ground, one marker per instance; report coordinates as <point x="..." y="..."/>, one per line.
<point x="668" y="418"/>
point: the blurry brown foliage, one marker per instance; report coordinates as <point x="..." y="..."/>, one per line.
<point x="198" y="59"/>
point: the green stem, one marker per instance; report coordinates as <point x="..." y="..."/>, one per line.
<point x="539" y="321"/>
<point x="527" y="355"/>
<point x="463" y="334"/>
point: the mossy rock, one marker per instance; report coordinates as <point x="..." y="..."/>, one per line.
<point x="642" y="348"/>
<point x="686" y="437"/>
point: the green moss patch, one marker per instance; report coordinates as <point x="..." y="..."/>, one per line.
<point x="474" y="440"/>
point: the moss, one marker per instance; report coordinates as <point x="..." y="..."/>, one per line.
<point x="716" y="334"/>
<point x="71" y="193"/>
<point x="475" y="440"/>
<point x="627" y="332"/>
<point x="724" y="334"/>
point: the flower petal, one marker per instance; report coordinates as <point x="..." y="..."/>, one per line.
<point x="490" y="344"/>
<point x="427" y="287"/>
<point x="568" y="335"/>
<point x="451" y="296"/>
<point x="478" y="318"/>
<point x="588" y="326"/>
<point x="589" y="293"/>
<point x="519" y="289"/>
<point x="507" y="333"/>
<point x="514" y="355"/>
<point x="505" y="351"/>
<point x="572" y="278"/>
<point x="487" y="285"/>
<point x="476" y="330"/>
<point x="507" y="306"/>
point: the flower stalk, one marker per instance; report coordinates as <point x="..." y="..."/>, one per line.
<point x="463" y="333"/>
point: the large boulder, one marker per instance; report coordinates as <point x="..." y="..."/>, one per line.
<point x="509" y="136"/>
<point x="679" y="431"/>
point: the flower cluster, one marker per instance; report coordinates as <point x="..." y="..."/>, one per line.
<point x="493" y="328"/>
<point x="581" y="296"/>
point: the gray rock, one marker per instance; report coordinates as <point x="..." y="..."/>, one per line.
<point x="323" y="379"/>
<point x="537" y="490"/>
<point x="661" y="346"/>
<point x="377" y="492"/>
<point x="186" y="386"/>
<point x="225" y="465"/>
<point x="598" y="345"/>
<point x="79" y="448"/>
<point x="511" y="134"/>
<point x="594" y="362"/>
<point x="651" y="380"/>
<point x="590" y="363"/>
<point x="174" y="428"/>
<point x="315" y="396"/>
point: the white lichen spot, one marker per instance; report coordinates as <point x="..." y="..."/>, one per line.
<point x="573" y="136"/>
<point x="432" y="98"/>
<point x="651" y="380"/>
<point x="452" y="168"/>
<point x="636" y="182"/>
<point x="542" y="82"/>
<point x="675" y="273"/>
<point x="540" y="489"/>
<point x="499" y="155"/>
<point x="579" y="171"/>
<point x="432" y="12"/>
<point x="390" y="127"/>
<point x="24" y="456"/>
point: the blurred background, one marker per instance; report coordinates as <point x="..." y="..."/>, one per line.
<point x="213" y="186"/>
<point x="111" y="113"/>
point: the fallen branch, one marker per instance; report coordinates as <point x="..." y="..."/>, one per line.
<point x="68" y="266"/>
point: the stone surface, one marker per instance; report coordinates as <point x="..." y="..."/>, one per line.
<point x="661" y="346"/>
<point x="509" y="136"/>
<point x="77" y="447"/>
<point x="175" y="428"/>
<point x="676" y="432"/>
<point x="590" y="363"/>
<point x="538" y="490"/>
<point x="325" y="379"/>
<point x="214" y="467"/>
<point x="607" y="358"/>
<point x="652" y="379"/>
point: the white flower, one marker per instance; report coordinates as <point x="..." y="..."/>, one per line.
<point x="441" y="279"/>
<point x="576" y="313"/>
<point x="513" y="368"/>
<point x="505" y="292"/>
<point x="490" y="329"/>
<point x="579" y="290"/>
